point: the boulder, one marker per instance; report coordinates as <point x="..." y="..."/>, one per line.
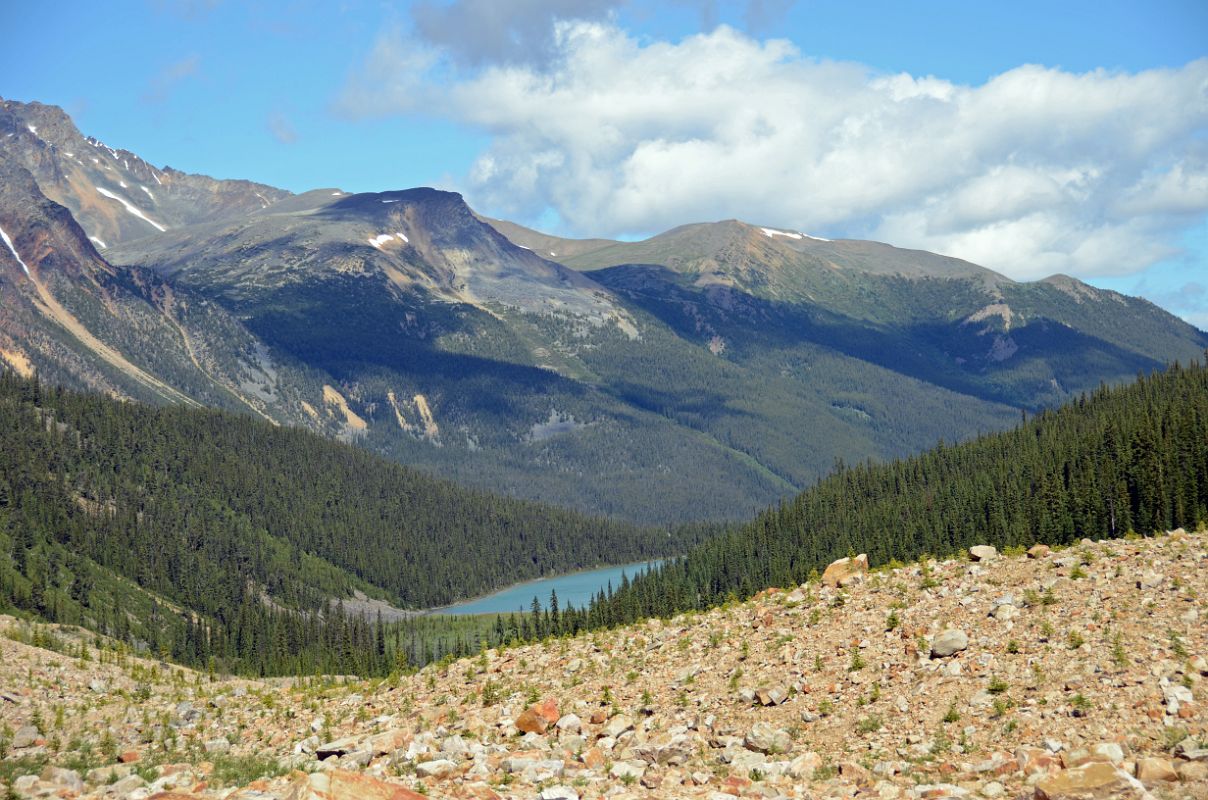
<point x="664" y="749"/>
<point x="948" y="643"/>
<point x="617" y="725"/>
<point x="845" y="571"/>
<point x="982" y="552"/>
<point x="804" y="765"/>
<point x="337" y="747"/>
<point x="771" y="697"/>
<point x="548" y="711"/>
<point x="1039" y="551"/>
<point x="1155" y="770"/>
<point x="558" y="793"/>
<point x="435" y="769"/>
<point x="569" y="724"/>
<point x="1097" y="781"/>
<point x="531" y="720"/>
<point x="340" y="785"/>
<point x="25" y="736"/>
<point x="764" y="738"/>
<point x="631" y="770"/>
<point x="382" y="743"/>
<point x="64" y="778"/>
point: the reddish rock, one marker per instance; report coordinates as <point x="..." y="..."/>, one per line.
<point x="532" y="721"/>
<point x="599" y="716"/>
<point x="593" y="758"/>
<point x="129" y="757"/>
<point x="736" y="783"/>
<point x="1033" y="759"/>
<point x="548" y="710"/>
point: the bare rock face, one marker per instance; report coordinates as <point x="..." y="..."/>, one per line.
<point x="846" y="571"/>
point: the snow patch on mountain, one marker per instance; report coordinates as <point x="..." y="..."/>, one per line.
<point x="13" y="250"/>
<point x="772" y="233"/>
<point x="131" y="208"/>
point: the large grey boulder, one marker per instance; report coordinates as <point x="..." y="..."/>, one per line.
<point x="948" y="643"/>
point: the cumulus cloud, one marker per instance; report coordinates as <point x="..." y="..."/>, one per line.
<point x="1036" y="171"/>
<point x="490" y="31"/>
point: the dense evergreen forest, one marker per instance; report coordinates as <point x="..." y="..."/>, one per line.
<point x="1131" y="459"/>
<point x="204" y="534"/>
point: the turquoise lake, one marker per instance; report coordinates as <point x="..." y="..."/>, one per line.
<point x="575" y="589"/>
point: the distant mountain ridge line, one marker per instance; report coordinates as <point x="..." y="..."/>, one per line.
<point x="415" y="327"/>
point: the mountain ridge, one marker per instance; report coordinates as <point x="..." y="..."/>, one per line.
<point x="604" y="378"/>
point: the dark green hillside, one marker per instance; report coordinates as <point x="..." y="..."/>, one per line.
<point x="1120" y="460"/>
<point x="171" y="514"/>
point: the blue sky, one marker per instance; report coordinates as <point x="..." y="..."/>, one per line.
<point x="915" y="123"/>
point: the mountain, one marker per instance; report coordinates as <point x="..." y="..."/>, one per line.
<point x="114" y="194"/>
<point x="250" y="533"/>
<point x="948" y="321"/>
<point x="705" y="373"/>
<point x="78" y="320"/>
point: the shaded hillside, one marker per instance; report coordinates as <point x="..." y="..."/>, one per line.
<point x="1118" y="461"/>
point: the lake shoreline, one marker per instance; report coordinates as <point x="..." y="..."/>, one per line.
<point x="640" y="567"/>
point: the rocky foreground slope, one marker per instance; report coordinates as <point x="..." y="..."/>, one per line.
<point x="1068" y="674"/>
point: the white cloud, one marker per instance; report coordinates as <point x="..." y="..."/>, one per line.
<point x="164" y="83"/>
<point x="490" y="31"/>
<point x="1036" y="171"/>
<point x="280" y="128"/>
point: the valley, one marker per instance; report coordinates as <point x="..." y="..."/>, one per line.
<point x="603" y="400"/>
